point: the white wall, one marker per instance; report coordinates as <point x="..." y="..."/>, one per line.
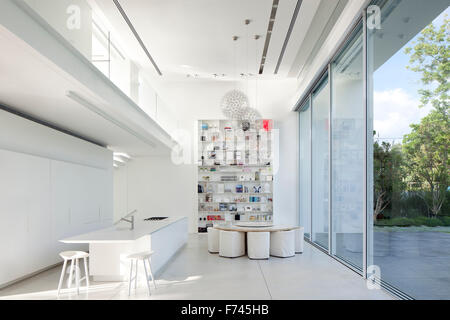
<point x="52" y="186"/>
<point x="156" y="187"/>
<point x="286" y="179"/>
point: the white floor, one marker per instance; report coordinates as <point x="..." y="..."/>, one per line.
<point x="196" y="274"/>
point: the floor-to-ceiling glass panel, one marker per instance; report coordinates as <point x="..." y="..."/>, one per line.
<point x="320" y="163"/>
<point x="408" y="179"/>
<point x="305" y="167"/>
<point x="347" y="138"/>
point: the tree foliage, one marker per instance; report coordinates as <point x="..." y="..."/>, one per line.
<point x="429" y="56"/>
<point x="426" y="158"/>
<point x="426" y="147"/>
<point x="388" y="174"/>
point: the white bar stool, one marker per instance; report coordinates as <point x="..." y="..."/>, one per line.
<point x="140" y="256"/>
<point x="74" y="256"/>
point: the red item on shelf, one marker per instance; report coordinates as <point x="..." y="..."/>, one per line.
<point x="267" y="125"/>
<point x="214" y="218"/>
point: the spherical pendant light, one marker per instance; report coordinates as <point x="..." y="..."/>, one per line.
<point x="250" y="114"/>
<point x="234" y="104"/>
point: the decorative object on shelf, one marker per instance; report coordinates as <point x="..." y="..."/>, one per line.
<point x="267" y="124"/>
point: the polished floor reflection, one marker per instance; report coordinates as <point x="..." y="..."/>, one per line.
<point x="196" y="274"/>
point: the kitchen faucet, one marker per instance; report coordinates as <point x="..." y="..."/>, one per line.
<point x="131" y="220"/>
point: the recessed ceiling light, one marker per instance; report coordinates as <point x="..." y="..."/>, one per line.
<point x="122" y="154"/>
<point x="117" y="159"/>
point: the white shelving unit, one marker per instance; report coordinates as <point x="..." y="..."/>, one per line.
<point x="235" y="174"/>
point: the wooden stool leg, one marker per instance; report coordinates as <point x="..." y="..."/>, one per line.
<point x="86" y="272"/>
<point x="151" y="273"/>
<point x="146" y="277"/>
<point x="77" y="275"/>
<point x="131" y="277"/>
<point x="70" y="274"/>
<point x="62" y="276"/>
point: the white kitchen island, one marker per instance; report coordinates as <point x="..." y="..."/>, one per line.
<point x="109" y="247"/>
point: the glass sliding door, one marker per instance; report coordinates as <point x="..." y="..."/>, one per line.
<point x="408" y="128"/>
<point x="347" y="138"/>
<point x="305" y="168"/>
<point x="320" y="163"/>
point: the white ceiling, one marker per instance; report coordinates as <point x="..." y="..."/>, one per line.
<point x="195" y="36"/>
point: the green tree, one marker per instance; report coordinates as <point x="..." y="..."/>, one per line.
<point x="387" y="175"/>
<point x="426" y="147"/>
<point x="426" y="158"/>
<point x="429" y="56"/>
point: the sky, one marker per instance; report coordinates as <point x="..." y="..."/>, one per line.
<point x="396" y="95"/>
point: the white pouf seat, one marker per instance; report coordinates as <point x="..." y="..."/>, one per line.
<point x="231" y="244"/>
<point x="299" y="240"/>
<point x="213" y="240"/>
<point x="282" y="244"/>
<point x="258" y="245"/>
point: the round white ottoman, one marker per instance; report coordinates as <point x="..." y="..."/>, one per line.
<point x="299" y="239"/>
<point x="282" y="244"/>
<point x="258" y="245"/>
<point x="213" y="240"/>
<point x="231" y="244"/>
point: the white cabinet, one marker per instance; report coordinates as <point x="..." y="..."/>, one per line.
<point x="43" y="201"/>
<point x="24" y="214"/>
<point x="79" y="198"/>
